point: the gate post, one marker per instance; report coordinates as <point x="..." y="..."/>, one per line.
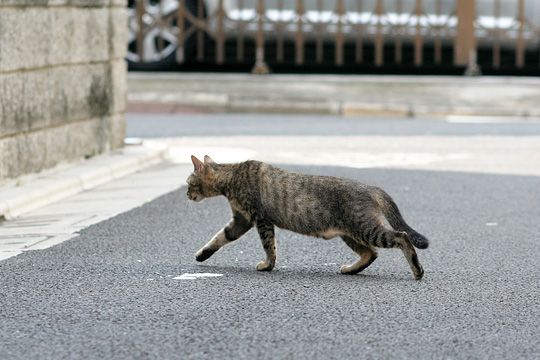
<point x="465" y="44"/>
<point x="260" y="66"/>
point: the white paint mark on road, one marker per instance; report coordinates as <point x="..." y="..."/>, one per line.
<point x="195" y="276"/>
<point x="477" y="119"/>
<point x="133" y="141"/>
<point x="491" y="224"/>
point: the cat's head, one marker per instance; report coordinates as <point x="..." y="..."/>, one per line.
<point x="201" y="182"/>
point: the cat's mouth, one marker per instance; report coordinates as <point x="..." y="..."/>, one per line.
<point x="196" y="198"/>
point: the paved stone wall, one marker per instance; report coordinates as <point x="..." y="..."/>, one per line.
<point x="62" y="81"/>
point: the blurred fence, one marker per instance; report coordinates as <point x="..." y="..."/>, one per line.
<point x="373" y="32"/>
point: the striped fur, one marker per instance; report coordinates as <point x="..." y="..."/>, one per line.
<point x="264" y="196"/>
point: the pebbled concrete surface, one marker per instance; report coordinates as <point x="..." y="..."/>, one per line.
<point x="335" y="94"/>
<point x="91" y="297"/>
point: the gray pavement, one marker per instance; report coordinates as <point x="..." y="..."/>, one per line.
<point x="497" y="148"/>
<point x="349" y="95"/>
<point x="110" y="292"/>
<point x="121" y="289"/>
<point x="167" y="125"/>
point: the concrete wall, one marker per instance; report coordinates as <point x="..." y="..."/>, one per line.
<point x="62" y="81"/>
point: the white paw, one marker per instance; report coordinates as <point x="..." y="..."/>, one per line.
<point x="265" y="266"/>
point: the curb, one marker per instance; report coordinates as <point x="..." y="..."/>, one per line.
<point x="341" y="108"/>
<point x="34" y="191"/>
<point x="418" y="110"/>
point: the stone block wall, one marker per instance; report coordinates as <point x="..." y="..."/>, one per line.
<point x="62" y="81"/>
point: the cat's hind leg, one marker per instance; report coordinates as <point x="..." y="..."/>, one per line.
<point x="367" y="256"/>
<point x="380" y="236"/>
<point x="237" y="227"/>
<point x="266" y="233"/>
<point x="404" y="243"/>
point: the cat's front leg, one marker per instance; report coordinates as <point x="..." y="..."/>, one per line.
<point x="266" y="233"/>
<point x="237" y="227"/>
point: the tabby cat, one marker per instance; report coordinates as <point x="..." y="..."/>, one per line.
<point x="265" y="196"/>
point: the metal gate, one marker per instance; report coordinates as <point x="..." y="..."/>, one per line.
<point x="373" y="32"/>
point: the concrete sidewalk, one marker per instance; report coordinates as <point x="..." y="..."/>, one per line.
<point x="41" y="210"/>
<point x="34" y="191"/>
<point x="347" y="95"/>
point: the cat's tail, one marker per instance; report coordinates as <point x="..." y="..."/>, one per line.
<point x="417" y="239"/>
<point x="392" y="214"/>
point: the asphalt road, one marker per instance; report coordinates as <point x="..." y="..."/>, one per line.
<point x="110" y="293"/>
<point x="167" y="125"/>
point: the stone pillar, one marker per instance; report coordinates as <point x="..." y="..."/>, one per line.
<point x="62" y="81"/>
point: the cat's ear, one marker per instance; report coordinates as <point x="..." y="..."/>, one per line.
<point x="198" y="166"/>
<point x="208" y="160"/>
